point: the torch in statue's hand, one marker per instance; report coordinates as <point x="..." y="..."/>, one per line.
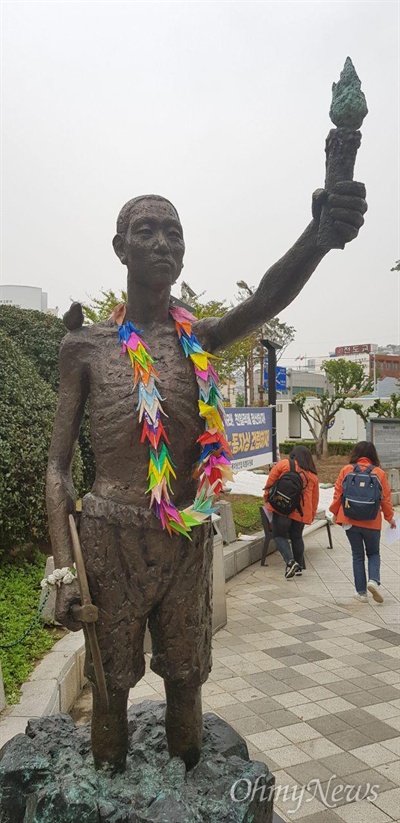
<point x="343" y="200"/>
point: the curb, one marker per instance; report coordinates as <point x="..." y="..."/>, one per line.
<point x="53" y="686"/>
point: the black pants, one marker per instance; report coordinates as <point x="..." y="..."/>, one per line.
<point x="284" y="529"/>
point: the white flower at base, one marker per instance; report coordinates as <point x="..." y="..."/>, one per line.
<point x="59" y="576"/>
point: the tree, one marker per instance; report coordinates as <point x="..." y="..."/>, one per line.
<point x="396" y="266"/>
<point x="386" y="408"/>
<point x="345" y="380"/>
<point x="231" y="361"/>
<point x="100" y="308"/>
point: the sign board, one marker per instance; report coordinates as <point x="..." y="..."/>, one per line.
<point x="384" y="432"/>
<point x="249" y="432"/>
<point x="340" y="351"/>
<point x="280" y="378"/>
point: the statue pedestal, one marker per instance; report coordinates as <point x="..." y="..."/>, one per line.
<point x="47" y="774"/>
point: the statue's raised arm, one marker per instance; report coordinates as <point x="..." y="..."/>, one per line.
<point x="337" y="215"/>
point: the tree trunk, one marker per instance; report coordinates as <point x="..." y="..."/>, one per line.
<point x="325" y="450"/>
<point x="318" y="447"/>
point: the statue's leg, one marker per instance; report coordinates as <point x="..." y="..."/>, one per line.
<point x="184" y="722"/>
<point x="110" y="731"/>
<point x="181" y="631"/>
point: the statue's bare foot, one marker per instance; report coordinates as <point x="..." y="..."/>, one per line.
<point x="184" y="722"/>
<point x="110" y="732"/>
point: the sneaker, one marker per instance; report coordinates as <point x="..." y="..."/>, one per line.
<point x="362" y="598"/>
<point x="373" y="587"/>
<point x="298" y="572"/>
<point x="291" y="569"/>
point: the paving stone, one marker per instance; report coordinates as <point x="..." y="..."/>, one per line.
<point x="370" y="776"/>
<point x="343" y="764"/>
<point x="365" y="682"/>
<point x="379" y="731"/>
<point x="281" y="718"/>
<point x="389" y="802"/>
<point x="385" y="693"/>
<point x="263" y="705"/>
<point x="289" y="756"/>
<point x="354" y="717"/>
<point x="284" y="651"/>
<point x="319" y="748"/>
<point x="299" y="732"/>
<point x="351" y="739"/>
<point x="329" y="724"/>
<point x="343" y="687"/>
<point x="361" y="699"/>
<point x="269" y="740"/>
<point x="250" y="725"/>
<point x="374" y="754"/>
<point x="327" y="816"/>
<point x="391" y="771"/>
<point x="237" y="711"/>
<point x="311" y="770"/>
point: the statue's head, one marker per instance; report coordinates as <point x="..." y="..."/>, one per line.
<point x="149" y="240"/>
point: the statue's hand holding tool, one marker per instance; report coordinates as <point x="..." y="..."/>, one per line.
<point x="345" y="207"/>
<point x="67" y="598"/>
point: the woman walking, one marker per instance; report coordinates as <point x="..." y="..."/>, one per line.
<point x="364" y="534"/>
<point x="287" y="529"/>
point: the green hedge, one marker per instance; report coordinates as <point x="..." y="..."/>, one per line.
<point x="39" y="335"/>
<point x="334" y="448"/>
<point x="27" y="406"/>
<point x="19" y="600"/>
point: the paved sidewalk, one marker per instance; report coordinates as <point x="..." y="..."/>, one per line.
<point x="311" y="678"/>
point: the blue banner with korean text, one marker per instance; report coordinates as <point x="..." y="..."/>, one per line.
<point x="249" y="432"/>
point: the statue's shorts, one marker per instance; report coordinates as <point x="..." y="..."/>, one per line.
<point x="140" y="575"/>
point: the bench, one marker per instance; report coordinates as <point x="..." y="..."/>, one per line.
<point x="320" y="521"/>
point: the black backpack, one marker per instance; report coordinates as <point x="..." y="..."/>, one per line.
<point x="361" y="494"/>
<point x="286" y="494"/>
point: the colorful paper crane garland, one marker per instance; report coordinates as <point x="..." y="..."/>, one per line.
<point x="213" y="467"/>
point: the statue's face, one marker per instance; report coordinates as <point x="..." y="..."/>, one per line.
<point x="153" y="246"/>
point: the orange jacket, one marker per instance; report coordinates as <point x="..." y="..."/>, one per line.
<point x="310" y="495"/>
<point x="386" y="505"/>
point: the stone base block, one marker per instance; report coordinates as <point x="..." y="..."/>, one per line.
<point x="47" y="775"/>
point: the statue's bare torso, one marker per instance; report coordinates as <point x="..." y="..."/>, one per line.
<point x="121" y="459"/>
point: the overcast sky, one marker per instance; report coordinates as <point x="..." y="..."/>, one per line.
<point x="223" y="108"/>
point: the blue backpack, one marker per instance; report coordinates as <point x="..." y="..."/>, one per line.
<point x="361" y="494"/>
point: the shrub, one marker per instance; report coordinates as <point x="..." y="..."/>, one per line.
<point x="19" y="600"/>
<point x="27" y="406"/>
<point x="334" y="448"/>
<point x="39" y="335"/>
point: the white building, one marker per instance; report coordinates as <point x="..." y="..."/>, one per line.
<point x="346" y="425"/>
<point x="25" y="297"/>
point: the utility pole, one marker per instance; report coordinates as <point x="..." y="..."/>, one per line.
<point x="271" y="349"/>
<point x="250" y="369"/>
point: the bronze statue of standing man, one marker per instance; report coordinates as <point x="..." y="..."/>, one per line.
<point x="137" y="572"/>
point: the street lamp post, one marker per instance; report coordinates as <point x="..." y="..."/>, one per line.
<point x="271" y="349"/>
<point x="250" y="368"/>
